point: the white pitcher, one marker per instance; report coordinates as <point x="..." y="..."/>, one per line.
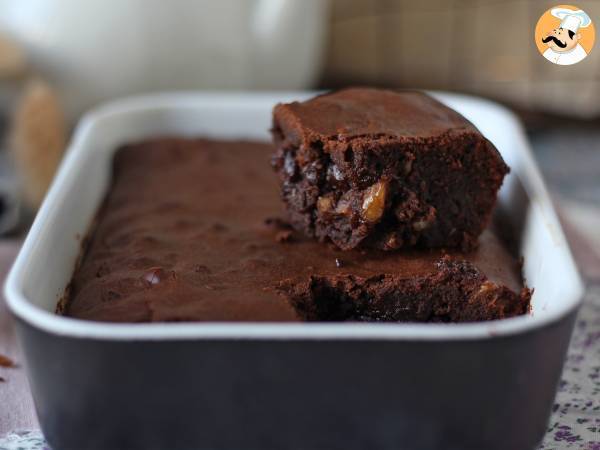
<point x="94" y="50"/>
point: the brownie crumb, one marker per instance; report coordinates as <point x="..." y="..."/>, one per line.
<point x="2" y="380"/>
<point x="217" y="226"/>
<point x="277" y="223"/>
<point x="6" y="362"/>
<point x="283" y="236"/>
<point x="103" y="270"/>
<point x="201" y="268"/>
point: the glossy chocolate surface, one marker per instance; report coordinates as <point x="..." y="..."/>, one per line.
<point x="191" y="231"/>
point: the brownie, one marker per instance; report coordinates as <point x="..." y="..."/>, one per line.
<point x="384" y="169"/>
<point x="192" y="230"/>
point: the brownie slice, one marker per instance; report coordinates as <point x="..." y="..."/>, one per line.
<point x="449" y="291"/>
<point x="191" y="230"/>
<point x="384" y="169"/>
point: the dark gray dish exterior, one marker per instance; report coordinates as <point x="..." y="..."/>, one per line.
<point x="492" y="393"/>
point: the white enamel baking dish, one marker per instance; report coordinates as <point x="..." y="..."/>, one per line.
<point x="312" y="385"/>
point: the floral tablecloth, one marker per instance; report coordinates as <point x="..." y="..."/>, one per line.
<point x="575" y="421"/>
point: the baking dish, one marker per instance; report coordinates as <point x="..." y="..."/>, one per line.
<point x="294" y="386"/>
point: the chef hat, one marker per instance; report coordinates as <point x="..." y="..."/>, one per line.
<point x="571" y="20"/>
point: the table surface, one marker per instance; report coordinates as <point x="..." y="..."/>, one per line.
<point x="570" y="160"/>
<point x="16" y="406"/>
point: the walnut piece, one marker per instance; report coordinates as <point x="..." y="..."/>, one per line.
<point x="374" y="202"/>
<point x="324" y="204"/>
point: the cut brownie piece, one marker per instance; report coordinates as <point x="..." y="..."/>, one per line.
<point x="448" y="291"/>
<point x="190" y="231"/>
<point x="384" y="169"/>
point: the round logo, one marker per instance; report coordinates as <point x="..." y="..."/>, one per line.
<point x="565" y="35"/>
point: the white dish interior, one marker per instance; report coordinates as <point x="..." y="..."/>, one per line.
<point x="46" y="261"/>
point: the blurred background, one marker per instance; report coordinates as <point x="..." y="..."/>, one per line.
<point x="59" y="58"/>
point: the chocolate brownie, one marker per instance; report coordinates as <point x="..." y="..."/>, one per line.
<point x="192" y="230"/>
<point x="384" y="169"/>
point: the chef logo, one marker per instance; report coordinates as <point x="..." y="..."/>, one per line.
<point x="564" y="35"/>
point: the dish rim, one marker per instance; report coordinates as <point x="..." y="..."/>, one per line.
<point x="39" y="318"/>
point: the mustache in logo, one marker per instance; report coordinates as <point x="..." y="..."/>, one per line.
<point x="555" y="40"/>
